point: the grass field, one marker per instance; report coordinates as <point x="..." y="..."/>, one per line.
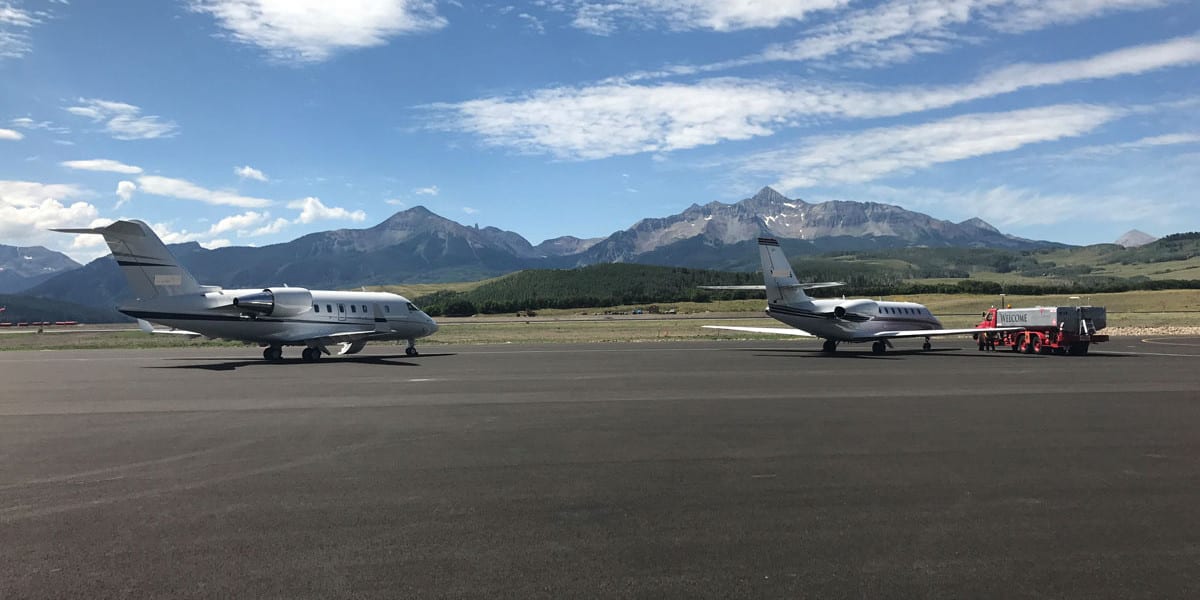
<point x="1168" y="308"/>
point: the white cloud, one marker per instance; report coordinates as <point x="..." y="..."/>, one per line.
<point x="876" y="153"/>
<point x="248" y="172"/>
<point x="718" y="15"/>
<point x="125" y="191"/>
<point x="1146" y="143"/>
<point x="427" y="191"/>
<point x="394" y="202"/>
<point x="271" y="228"/>
<point x="240" y="223"/>
<point x="9" y="134"/>
<point x="171" y="236"/>
<point x="15" y="24"/>
<point x="102" y="164"/>
<point x="29" y="123"/>
<point x="311" y="210"/>
<point x="469" y="210"/>
<point x="28" y="209"/>
<point x="618" y="118"/>
<point x="897" y="31"/>
<point x="1006" y="206"/>
<point x="186" y="190"/>
<point x="307" y="31"/>
<point x="123" y="121"/>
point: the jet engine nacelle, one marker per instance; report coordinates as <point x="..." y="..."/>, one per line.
<point x="277" y="302"/>
<point x="856" y="310"/>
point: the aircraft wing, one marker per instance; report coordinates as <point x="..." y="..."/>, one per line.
<point x="148" y="328"/>
<point x="775" y="330"/>
<point x="937" y="332"/>
<point x="807" y="286"/>
<point x="336" y="338"/>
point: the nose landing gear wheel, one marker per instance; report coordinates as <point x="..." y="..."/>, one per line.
<point x="411" y="351"/>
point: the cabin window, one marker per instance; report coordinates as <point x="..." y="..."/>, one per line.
<point x="341" y="308"/>
<point x="364" y="308"/>
<point x="316" y="308"/>
<point x="387" y="308"/>
<point x="353" y="308"/>
<point x="328" y="308"/>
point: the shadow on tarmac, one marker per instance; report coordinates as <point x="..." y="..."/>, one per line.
<point x="895" y="354"/>
<point x="389" y="360"/>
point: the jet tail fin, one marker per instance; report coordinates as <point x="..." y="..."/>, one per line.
<point x="781" y="283"/>
<point x="146" y="262"/>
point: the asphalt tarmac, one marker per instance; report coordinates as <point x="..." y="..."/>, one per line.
<point x="719" y="470"/>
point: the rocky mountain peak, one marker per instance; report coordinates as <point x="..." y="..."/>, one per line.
<point x="978" y="223"/>
<point x="1134" y="238"/>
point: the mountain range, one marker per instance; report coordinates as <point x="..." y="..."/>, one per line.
<point x="22" y="267"/>
<point x="417" y="245"/>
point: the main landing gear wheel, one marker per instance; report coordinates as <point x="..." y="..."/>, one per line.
<point x="273" y="353"/>
<point x="311" y="354"/>
<point x="829" y="346"/>
<point x="878" y="348"/>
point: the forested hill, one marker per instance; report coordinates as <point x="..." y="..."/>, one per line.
<point x="599" y="285"/>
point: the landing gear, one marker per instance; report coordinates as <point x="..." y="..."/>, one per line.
<point x="273" y="353"/>
<point x="311" y="354"/>
<point x="878" y="347"/>
<point x="829" y="346"/>
<point x="927" y="346"/>
<point x="411" y="350"/>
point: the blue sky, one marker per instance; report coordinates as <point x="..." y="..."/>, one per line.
<point x="250" y="122"/>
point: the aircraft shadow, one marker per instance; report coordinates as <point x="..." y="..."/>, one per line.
<point x="892" y="354"/>
<point x="390" y="360"/>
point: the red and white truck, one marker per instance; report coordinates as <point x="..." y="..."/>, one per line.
<point x="1044" y="329"/>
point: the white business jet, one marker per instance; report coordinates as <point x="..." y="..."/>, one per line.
<point x="836" y="320"/>
<point x="273" y="317"/>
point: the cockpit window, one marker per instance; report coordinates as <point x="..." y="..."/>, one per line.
<point x="413" y="307"/>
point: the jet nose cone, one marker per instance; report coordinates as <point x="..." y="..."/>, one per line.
<point x="431" y="328"/>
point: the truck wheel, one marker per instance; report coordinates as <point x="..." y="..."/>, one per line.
<point x="1029" y="345"/>
<point x="1083" y="349"/>
<point x="1017" y="343"/>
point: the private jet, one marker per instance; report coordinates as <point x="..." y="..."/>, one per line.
<point x="835" y="320"/>
<point x="273" y="317"/>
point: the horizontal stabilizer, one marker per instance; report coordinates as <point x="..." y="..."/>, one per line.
<point x="773" y="330"/>
<point x="145" y="326"/>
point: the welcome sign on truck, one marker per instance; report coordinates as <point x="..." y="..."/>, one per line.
<point x="1045" y="329"/>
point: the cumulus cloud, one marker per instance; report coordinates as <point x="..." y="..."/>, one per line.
<point x="102" y="164"/>
<point x="241" y="222"/>
<point x="271" y="228"/>
<point x="9" y="134"/>
<point x="427" y="191"/>
<point x="309" y="31"/>
<point x="312" y="210"/>
<point x="123" y="121"/>
<point x="125" y="190"/>
<point x="29" y="208"/>
<point x="612" y="119"/>
<point x="186" y="190"/>
<point x="469" y="210"/>
<point x="875" y="153"/>
<point x="248" y="172"/>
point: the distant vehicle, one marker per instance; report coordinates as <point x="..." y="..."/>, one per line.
<point x="1044" y="329"/>
<point x="272" y="317"/>
<point x="836" y="320"/>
